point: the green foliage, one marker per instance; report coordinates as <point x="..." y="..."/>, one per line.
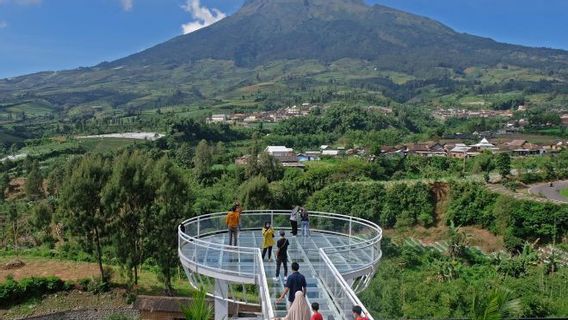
<point x="419" y="283"/>
<point x="497" y="306"/>
<point x="517" y="220"/>
<point x="199" y="309"/>
<point x="202" y="161"/>
<point x="34" y="183"/>
<point x="81" y="205"/>
<point x="503" y="164"/>
<point x="470" y="204"/>
<point x="13" y="292"/>
<point x="128" y="197"/>
<point x="4" y="183"/>
<point x="255" y="194"/>
<point x="400" y="205"/>
<point x="264" y="165"/>
<point x="172" y="204"/>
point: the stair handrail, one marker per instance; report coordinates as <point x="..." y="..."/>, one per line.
<point x="344" y="285"/>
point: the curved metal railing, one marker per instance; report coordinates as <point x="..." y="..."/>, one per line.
<point x="362" y="254"/>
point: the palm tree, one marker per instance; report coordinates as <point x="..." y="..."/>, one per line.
<point x="498" y="305"/>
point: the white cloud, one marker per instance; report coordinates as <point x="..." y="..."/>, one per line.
<point x="127" y="4"/>
<point x="201" y="15"/>
<point x="3" y="24"/>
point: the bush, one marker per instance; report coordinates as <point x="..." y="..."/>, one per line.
<point x="401" y="205"/>
<point x="13" y="292"/>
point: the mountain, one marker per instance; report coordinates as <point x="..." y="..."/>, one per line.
<point x="329" y="30"/>
<point x="295" y="46"/>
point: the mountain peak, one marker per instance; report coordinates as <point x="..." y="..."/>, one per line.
<point x="313" y="7"/>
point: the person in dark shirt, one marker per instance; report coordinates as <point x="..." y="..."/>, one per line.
<point x="296" y="282"/>
<point x="282" y="254"/>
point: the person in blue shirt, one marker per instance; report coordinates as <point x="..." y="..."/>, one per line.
<point x="295" y="282"/>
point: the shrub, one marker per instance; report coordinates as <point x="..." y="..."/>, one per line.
<point x="13" y="292"/>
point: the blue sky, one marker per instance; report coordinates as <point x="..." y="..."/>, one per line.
<point x="37" y="35"/>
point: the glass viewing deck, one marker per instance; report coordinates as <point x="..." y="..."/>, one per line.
<point x="338" y="260"/>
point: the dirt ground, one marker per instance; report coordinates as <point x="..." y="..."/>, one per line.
<point x="485" y="240"/>
<point x="66" y="270"/>
<point x="73" y="300"/>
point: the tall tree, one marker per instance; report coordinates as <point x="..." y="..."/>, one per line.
<point x="4" y="184"/>
<point x="34" y="183"/>
<point x="172" y="204"/>
<point x="202" y="161"/>
<point x="83" y="213"/>
<point x="503" y="164"/>
<point x="255" y="193"/>
<point x="128" y="197"/>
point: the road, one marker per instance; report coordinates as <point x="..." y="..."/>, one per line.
<point x="551" y="193"/>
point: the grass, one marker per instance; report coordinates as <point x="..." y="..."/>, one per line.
<point x="564" y="192"/>
<point x="148" y="284"/>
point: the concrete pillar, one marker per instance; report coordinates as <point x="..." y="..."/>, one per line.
<point x="221" y="306"/>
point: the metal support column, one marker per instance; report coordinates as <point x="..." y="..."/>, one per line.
<point x="221" y="306"/>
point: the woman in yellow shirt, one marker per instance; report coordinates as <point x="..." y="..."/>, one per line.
<point x="267" y="240"/>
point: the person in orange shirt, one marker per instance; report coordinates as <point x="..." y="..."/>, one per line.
<point x="233" y="220"/>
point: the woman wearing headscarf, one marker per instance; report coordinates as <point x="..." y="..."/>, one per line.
<point x="267" y="240"/>
<point x="299" y="310"/>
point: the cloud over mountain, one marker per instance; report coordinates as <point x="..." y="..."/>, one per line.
<point x="201" y="15"/>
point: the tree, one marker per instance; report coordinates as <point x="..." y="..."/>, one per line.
<point x="128" y="197"/>
<point x="269" y="167"/>
<point x="172" y="204"/>
<point x="265" y="165"/>
<point x="202" y="161"/>
<point x="255" y="193"/>
<point x="503" y="164"/>
<point x="484" y="164"/>
<point x="83" y="213"/>
<point x="13" y="217"/>
<point x="41" y="218"/>
<point x="498" y="305"/>
<point x="4" y="184"/>
<point x="34" y="183"/>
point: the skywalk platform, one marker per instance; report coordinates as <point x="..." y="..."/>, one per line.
<point x="338" y="259"/>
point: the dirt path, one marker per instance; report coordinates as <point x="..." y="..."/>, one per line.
<point x="65" y="270"/>
<point x="550" y="193"/>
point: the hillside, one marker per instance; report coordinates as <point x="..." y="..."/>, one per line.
<point x="294" y="46"/>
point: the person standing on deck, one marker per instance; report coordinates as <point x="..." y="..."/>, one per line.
<point x="305" y="220"/>
<point x="294" y="220"/>
<point x="233" y="220"/>
<point x="267" y="240"/>
<point x="282" y="254"/>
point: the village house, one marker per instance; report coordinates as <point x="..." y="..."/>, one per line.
<point x="286" y="156"/>
<point x="461" y="151"/>
<point x="217" y="118"/>
<point x="484" y="145"/>
<point x="427" y="150"/>
<point x="523" y="148"/>
<point x="564" y="119"/>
